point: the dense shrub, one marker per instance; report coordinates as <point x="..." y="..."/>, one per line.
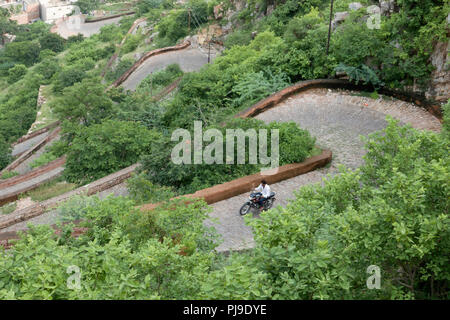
<point x="295" y="145"/>
<point x="5" y="153"/>
<point x="123" y="65"/>
<point x="52" y="41"/>
<point x="104" y="148"/>
<point x="16" y="73"/>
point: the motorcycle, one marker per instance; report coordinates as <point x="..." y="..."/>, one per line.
<point x="254" y="203"/>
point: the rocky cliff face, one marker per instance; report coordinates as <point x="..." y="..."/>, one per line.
<point x="439" y="89"/>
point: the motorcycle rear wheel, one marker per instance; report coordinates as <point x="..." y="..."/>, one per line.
<point x="268" y="204"/>
<point x="245" y="209"/>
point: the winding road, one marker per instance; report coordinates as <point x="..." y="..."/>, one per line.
<point x="74" y="25"/>
<point x="190" y="59"/>
<point x="337" y="119"/>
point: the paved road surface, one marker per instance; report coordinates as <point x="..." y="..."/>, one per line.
<point x="26" y="145"/>
<point x="23" y="185"/>
<point x="190" y="59"/>
<point x="337" y="120"/>
<point x="71" y="27"/>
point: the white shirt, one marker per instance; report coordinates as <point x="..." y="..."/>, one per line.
<point x="265" y="191"/>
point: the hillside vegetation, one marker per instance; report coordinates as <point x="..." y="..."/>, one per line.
<point x="393" y="212"/>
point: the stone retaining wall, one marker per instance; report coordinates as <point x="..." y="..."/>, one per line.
<point x="149" y="54"/>
<point x="102" y="184"/>
<point x="32" y="174"/>
<point x="116" y="54"/>
<point x="242" y="185"/>
<point x="109" y="17"/>
<point x="282" y="95"/>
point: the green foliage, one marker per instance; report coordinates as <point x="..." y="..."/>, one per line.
<point x="361" y="74"/>
<point x="132" y="42"/>
<point x="295" y="146"/>
<point x="256" y="86"/>
<point x="18" y="107"/>
<point x="161" y="254"/>
<point x="9" y="174"/>
<point x="48" y="68"/>
<point x="84" y="103"/>
<point x="5" y="154"/>
<point x="16" y="73"/>
<point x="43" y="159"/>
<point x="86" y="6"/>
<point x="101" y="149"/>
<point x="110" y="32"/>
<point x="120" y="69"/>
<point x="75" y="39"/>
<point x="143" y="191"/>
<point x="52" y="41"/>
<point x="49" y="190"/>
<point x="163" y="77"/>
<point x="68" y="77"/>
<point x="76" y="208"/>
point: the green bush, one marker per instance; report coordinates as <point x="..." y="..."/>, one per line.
<point x="143" y="191"/>
<point x="256" y="86"/>
<point x="43" y="159"/>
<point x="162" y="78"/>
<point x="295" y="145"/>
<point x="101" y="149"/>
<point x="5" y="153"/>
<point x="76" y="207"/>
<point x="393" y="213"/>
<point x="52" y="41"/>
<point x="119" y="70"/>
<point x="169" y="250"/>
<point x="132" y="42"/>
<point x="16" y="73"/>
<point x="9" y="174"/>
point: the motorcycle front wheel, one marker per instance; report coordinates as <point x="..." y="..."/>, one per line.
<point x="245" y="209"/>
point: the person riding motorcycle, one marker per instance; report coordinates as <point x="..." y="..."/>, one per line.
<point x="265" y="192"/>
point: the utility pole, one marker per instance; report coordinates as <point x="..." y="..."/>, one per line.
<point x="329" y="27"/>
<point x="189" y="20"/>
<point x="209" y="50"/>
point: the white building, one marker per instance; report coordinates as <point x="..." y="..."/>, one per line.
<point x="52" y="10"/>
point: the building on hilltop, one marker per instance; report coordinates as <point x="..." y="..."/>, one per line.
<point x="30" y="12"/>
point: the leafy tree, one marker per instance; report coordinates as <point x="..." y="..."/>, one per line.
<point x="295" y="145"/>
<point x="84" y="103"/>
<point x="48" y="68"/>
<point x="5" y="153"/>
<point x="52" y="41"/>
<point x="24" y="52"/>
<point x="75" y="39"/>
<point x="105" y="148"/>
<point x="16" y="73"/>
<point x="7" y="26"/>
<point x="87" y="6"/>
<point x="67" y="77"/>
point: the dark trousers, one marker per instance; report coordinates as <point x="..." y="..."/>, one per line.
<point x="261" y="201"/>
